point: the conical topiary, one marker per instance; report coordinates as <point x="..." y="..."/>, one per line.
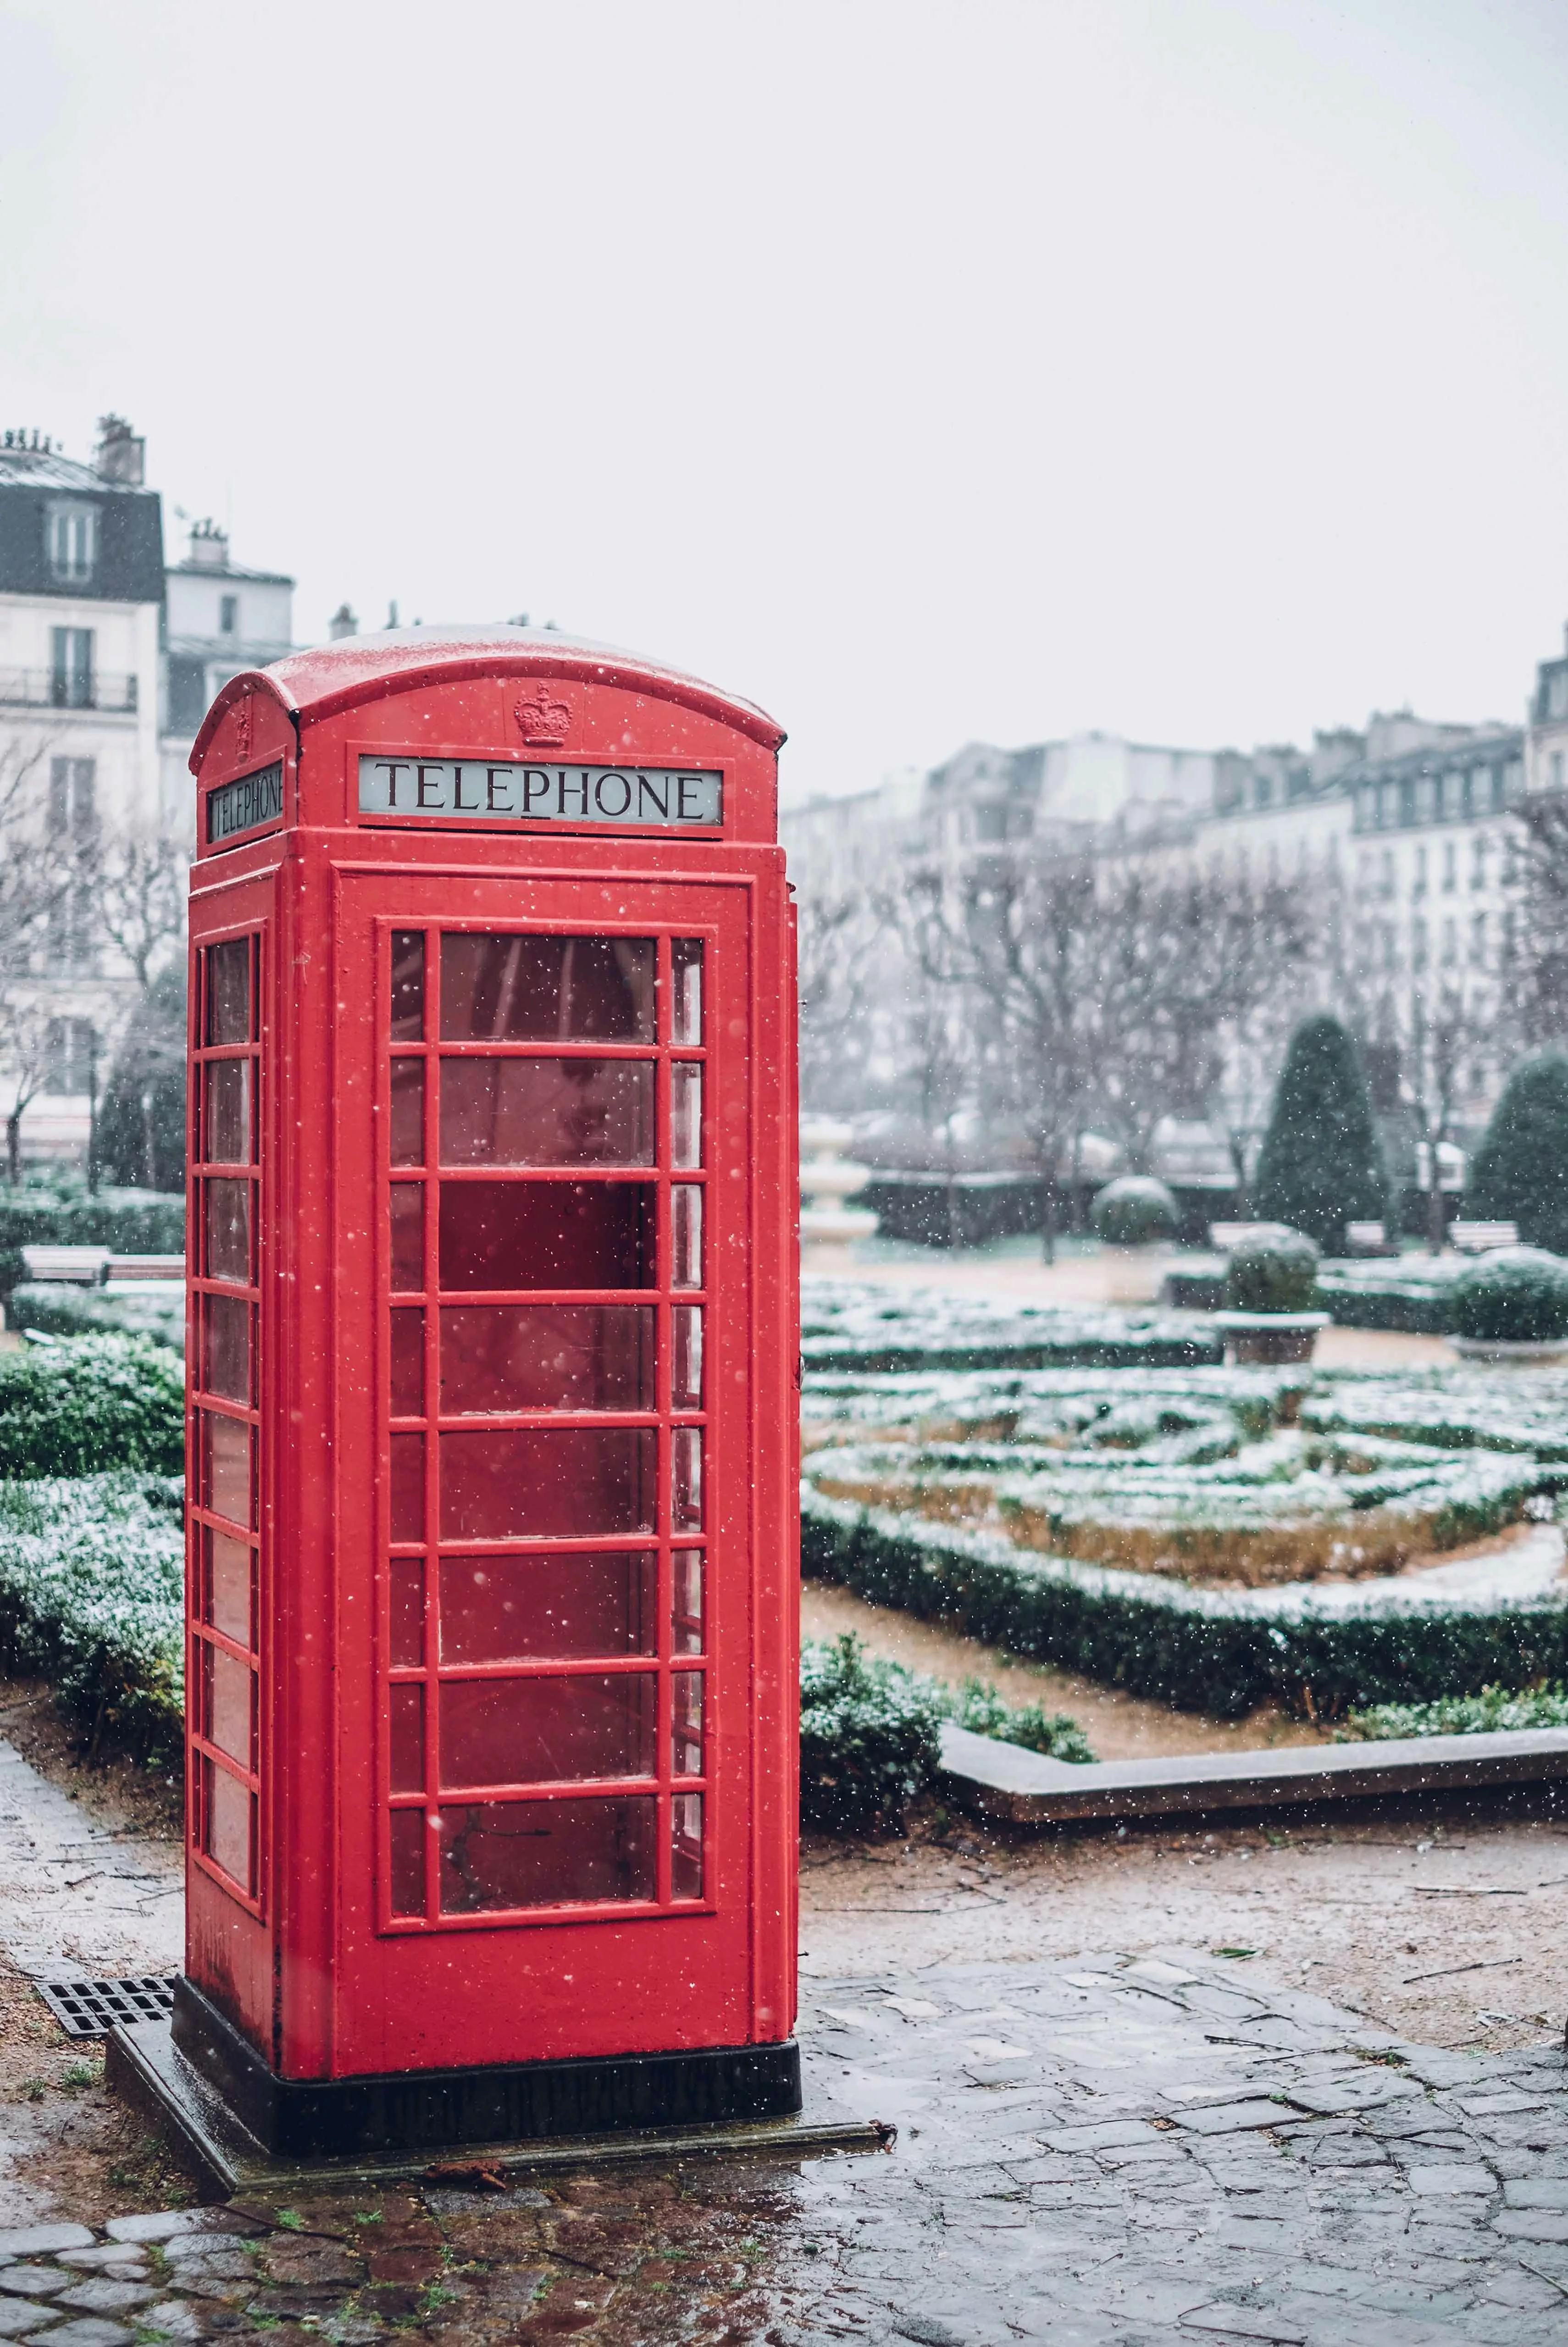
<point x="1520" y="1172"/>
<point x="1321" y="1166"/>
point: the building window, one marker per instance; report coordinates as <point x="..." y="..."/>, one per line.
<point x="73" y="1047"/>
<point x="1453" y="796"/>
<point x="1418" y="945"/>
<point x="1499" y="787"/>
<point x="1386" y="881"/>
<point x="1555" y="771"/>
<point x="69" y="938"/>
<point x="229" y="615"/>
<point x="73" y="541"/>
<point x="1479" y="848"/>
<point x="1263" y="790"/>
<point x="1478" y="940"/>
<point x="1418" y="885"/>
<point x="1425" y="799"/>
<point x="1450" y="864"/>
<point x="1450" y="941"/>
<point x="71" y="677"/>
<point x="73" y="797"/>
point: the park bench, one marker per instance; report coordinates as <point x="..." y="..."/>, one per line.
<point x="121" y="1267"/>
<point x="81" y="1267"/>
<point x="1222" y="1236"/>
<point x="1480" y="1238"/>
<point x="1368" y="1238"/>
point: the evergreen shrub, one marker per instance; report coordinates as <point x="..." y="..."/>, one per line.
<point x="1133" y="1211"/>
<point x="1520" y="1172"/>
<point x="868" y="1739"/>
<point x="1272" y="1269"/>
<point x="53" y="1308"/>
<point x="82" y="1407"/>
<point x="1321" y="1166"/>
<point x="1516" y="1295"/>
<point x="92" y="1580"/>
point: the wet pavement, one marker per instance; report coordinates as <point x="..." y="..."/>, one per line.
<point x="1102" y="2149"/>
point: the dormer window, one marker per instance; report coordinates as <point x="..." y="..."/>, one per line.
<point x="73" y="542"/>
<point x="229" y="615"/>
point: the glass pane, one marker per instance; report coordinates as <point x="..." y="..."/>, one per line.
<point x="229" y="991"/>
<point x="686" y="1733"/>
<point x="498" y="1356"/>
<point x="686" y="971"/>
<point x="685" y="1112"/>
<point x="500" y="1854"/>
<point x="408" y="989"/>
<point x="408" y="1113"/>
<point x="686" y="1366"/>
<point x="686" y="1846"/>
<point x="408" y="1861"/>
<point x="408" y="1487"/>
<point x="547" y="1731"/>
<point x="545" y="1482"/>
<point x="547" y="1111"/>
<point x="226" y="1467"/>
<point x="227" y="1129"/>
<point x="229" y="1585"/>
<point x="226" y="1686"/>
<point x="527" y="990"/>
<point x="226" y="1322"/>
<point x="686" y="1479"/>
<point x="407" y="1236"/>
<point x="408" y="1739"/>
<point x="229" y="1231"/>
<point x="407" y="1363"/>
<point x="499" y="1609"/>
<point x="228" y="1809"/>
<point x="408" y="1611"/>
<point x="512" y="1234"/>
<point x="686" y="1600"/>
<point x="685" y="1235"/>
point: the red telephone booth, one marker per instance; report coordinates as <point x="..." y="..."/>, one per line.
<point x="493" y="1333"/>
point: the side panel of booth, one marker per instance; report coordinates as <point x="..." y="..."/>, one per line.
<point x="230" y="1499"/>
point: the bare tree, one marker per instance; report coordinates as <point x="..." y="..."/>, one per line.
<point x="839" y="932"/>
<point x="1534" y="993"/>
<point x="934" y="1038"/>
<point x="1032" y="944"/>
<point x="28" y="1034"/>
<point x="1185" y="956"/>
<point x="137" y="884"/>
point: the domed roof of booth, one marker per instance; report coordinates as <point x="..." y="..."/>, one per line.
<point x="332" y="676"/>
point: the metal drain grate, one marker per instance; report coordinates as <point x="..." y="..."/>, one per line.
<point x="87" y="2008"/>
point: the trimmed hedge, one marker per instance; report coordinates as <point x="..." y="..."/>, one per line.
<point x="97" y="1403"/>
<point x="92" y="1574"/>
<point x="127" y="1222"/>
<point x="1220" y="1653"/>
<point x="1493" y="1709"/>
<point x="1272" y="1268"/>
<point x="849" y="1325"/>
<point x="1516" y="1295"/>
<point x="51" y="1309"/>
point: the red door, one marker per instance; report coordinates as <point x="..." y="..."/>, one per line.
<point x="545" y="1555"/>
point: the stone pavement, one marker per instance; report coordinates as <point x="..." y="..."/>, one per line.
<point x="76" y="1899"/>
<point x="1109" y="2151"/>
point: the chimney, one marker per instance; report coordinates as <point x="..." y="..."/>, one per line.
<point x="341" y="624"/>
<point x="208" y="548"/>
<point x="121" y="457"/>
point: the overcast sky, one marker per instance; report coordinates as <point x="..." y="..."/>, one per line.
<point x="926" y="369"/>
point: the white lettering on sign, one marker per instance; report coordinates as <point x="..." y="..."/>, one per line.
<point x="495" y="790"/>
<point x="245" y="805"/>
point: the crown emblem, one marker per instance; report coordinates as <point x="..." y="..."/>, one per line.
<point x="242" y="727"/>
<point x="544" y="718"/>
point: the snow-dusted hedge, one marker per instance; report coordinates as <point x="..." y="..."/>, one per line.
<point x="1062" y="1406"/>
<point x="54" y="1309"/>
<point x="1322" y="1650"/>
<point x="853" y="1324"/>
<point x="1485" y="1714"/>
<point x="83" y="1407"/>
<point x="1200" y="1505"/>
<point x="1411" y="1293"/>
<point x="1454" y="1409"/>
<point x="91" y="1597"/>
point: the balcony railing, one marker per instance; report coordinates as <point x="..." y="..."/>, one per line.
<point x="51" y="688"/>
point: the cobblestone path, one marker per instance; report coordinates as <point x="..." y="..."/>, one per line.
<point x="1113" y="2149"/>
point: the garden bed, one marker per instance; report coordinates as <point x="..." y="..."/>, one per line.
<point x="853" y="1324"/>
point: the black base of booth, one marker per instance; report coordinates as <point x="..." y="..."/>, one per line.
<point x="434" y="2110"/>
